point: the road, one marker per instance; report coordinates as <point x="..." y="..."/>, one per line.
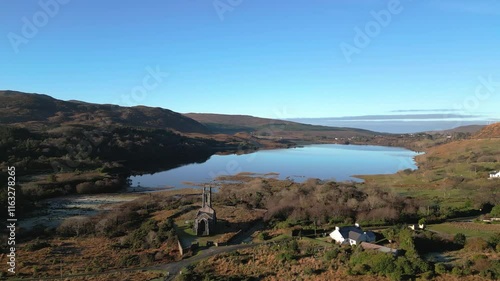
<point x="463" y="219"/>
<point x="174" y="268"/>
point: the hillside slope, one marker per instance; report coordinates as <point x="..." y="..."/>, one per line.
<point x="462" y="129"/>
<point x="490" y="131"/>
<point x="36" y="110"/>
<point x="222" y="123"/>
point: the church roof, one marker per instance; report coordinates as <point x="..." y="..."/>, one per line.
<point x="202" y="214"/>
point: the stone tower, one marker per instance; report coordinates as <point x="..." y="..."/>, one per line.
<point x="206" y="219"/>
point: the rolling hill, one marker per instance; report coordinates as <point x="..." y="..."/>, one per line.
<point x="38" y="111"/>
<point x="490" y="131"/>
<point x="230" y="124"/>
<point x="462" y="129"/>
<point x="42" y="111"/>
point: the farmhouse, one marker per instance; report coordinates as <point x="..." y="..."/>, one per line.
<point x="352" y="235"/>
<point x="495" y="175"/>
<point x="206" y="219"/>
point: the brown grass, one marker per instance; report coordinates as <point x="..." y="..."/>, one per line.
<point x="77" y="256"/>
<point x="491" y="131"/>
<point x="262" y="261"/>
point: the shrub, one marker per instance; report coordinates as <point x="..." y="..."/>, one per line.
<point x="421" y="265"/>
<point x="459" y="239"/>
<point x="376" y="262"/>
<point x="144" y="237"/>
<point x="289" y="251"/>
<point x="428" y="275"/>
<point x="492" y="272"/>
<point x="495" y="212"/>
<point x="165" y="231"/>
<point x="494" y="241"/>
<point x="286" y="256"/>
<point x="396" y="276"/>
<point x="292" y="246"/>
<point x="129" y="260"/>
<point x="263" y="236"/>
<point x="404" y="266"/>
<point x="361" y="269"/>
<point x="488" y="273"/>
<point x="457" y="271"/>
<point x="406" y="243"/>
<point x="331" y="254"/>
<point x="390" y="234"/>
<point x="440" y="268"/>
<point x="75" y="226"/>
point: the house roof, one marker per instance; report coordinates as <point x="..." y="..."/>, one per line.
<point x="370" y="235"/>
<point x="344" y="231"/>
<point x="207" y="209"/>
<point x="202" y="214"/>
<point x="354" y="235"/>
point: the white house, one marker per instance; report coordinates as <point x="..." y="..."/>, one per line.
<point x="414" y="226"/>
<point x="495" y="175"/>
<point x="352" y="235"/>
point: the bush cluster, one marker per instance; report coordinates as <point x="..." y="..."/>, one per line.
<point x="319" y="201"/>
<point x="151" y="234"/>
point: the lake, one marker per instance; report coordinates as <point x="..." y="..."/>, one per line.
<point x="323" y="161"/>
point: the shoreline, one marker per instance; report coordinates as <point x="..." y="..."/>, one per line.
<point x="54" y="210"/>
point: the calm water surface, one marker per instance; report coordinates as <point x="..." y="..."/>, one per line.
<point x="325" y="161"/>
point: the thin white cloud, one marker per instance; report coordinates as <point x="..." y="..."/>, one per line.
<point x="425" y="110"/>
<point x="442" y="116"/>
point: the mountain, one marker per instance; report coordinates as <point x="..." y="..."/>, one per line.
<point x="230" y="124"/>
<point x="490" y="131"/>
<point x="36" y="110"/>
<point x="462" y="129"/>
<point x="466" y="129"/>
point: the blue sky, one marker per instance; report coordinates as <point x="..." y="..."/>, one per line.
<point x="278" y="59"/>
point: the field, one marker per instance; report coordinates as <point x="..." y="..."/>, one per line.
<point x="76" y="256"/>
<point x="453" y="175"/>
<point x="470" y="229"/>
